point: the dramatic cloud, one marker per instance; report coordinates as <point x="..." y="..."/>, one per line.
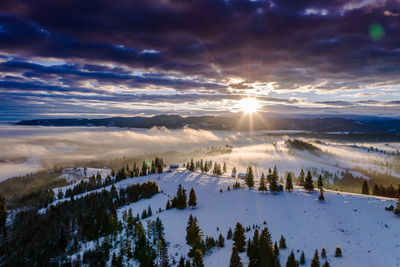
<point x="108" y="56"/>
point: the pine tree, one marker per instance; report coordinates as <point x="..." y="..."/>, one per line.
<point x="365" y="188"/>
<point x="300" y="179"/>
<point x="192" y="199"/>
<point x="239" y="237"/>
<point x="338" y="252"/>
<point x="282" y="243"/>
<point x="198" y="258"/>
<point x="291" y="261"/>
<point x="235" y="258"/>
<point x="229" y="235"/>
<point x="262" y="187"/>
<point x="149" y="211"/>
<point x="168" y="206"/>
<point x="162" y="247"/>
<point x="302" y="258"/>
<point x="180" y="199"/>
<point x="221" y="241"/>
<point x="326" y="264"/>
<point x="224" y="167"/>
<point x="308" y="183"/>
<point x="321" y="194"/>
<point x="187" y="264"/>
<point x="144" y="169"/>
<point x="289" y="182"/>
<point x="323" y="253"/>
<point x="315" y="260"/>
<point x="193" y="234"/>
<point x="249" y="177"/>
<point x="320" y="183"/>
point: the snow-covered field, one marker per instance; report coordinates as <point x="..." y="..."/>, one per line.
<point x="367" y="234"/>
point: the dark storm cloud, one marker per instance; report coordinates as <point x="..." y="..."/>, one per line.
<point x="324" y="45"/>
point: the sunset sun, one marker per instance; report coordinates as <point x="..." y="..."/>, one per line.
<point x="249" y="105"/>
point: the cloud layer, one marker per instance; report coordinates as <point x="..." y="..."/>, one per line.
<point x="130" y="57"/>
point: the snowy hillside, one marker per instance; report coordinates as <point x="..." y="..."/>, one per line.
<point x="367" y="234"/>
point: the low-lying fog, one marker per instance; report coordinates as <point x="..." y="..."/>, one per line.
<point x="26" y="149"/>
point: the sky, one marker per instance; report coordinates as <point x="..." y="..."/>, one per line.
<point x="192" y="57"/>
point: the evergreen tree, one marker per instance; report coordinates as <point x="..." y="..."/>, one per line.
<point x="180" y="200"/>
<point x="192" y="199"/>
<point x="291" y="261"/>
<point x="323" y="253"/>
<point x="321" y="194"/>
<point x="235" y="258"/>
<point x="262" y="187"/>
<point x="144" y="169"/>
<point x="320" y="183"/>
<point x="239" y="237"/>
<point x="193" y="235"/>
<point x="3" y="214"/>
<point x="149" y="211"/>
<point x="181" y="262"/>
<point x="397" y="209"/>
<point x="289" y="182"/>
<point x="276" y="248"/>
<point x="308" y="183"/>
<point x="234" y="171"/>
<point x="302" y="258"/>
<point x="300" y="179"/>
<point x="249" y="179"/>
<point x="198" y="258"/>
<point x="282" y="243"/>
<point x="315" y="260"/>
<point x="221" y="241"/>
<point x="168" y="206"/>
<point x="224" y="167"/>
<point x="273" y="180"/>
<point x="153" y="167"/>
<point x="191" y="166"/>
<point x="326" y="264"/>
<point x="162" y="247"/>
<point x="338" y="252"/>
<point x="229" y="235"/>
<point x="187" y="264"/>
<point x="365" y="188"/>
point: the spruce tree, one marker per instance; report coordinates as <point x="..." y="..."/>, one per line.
<point x="3" y="214"/>
<point x="239" y="237"/>
<point x="192" y="199"/>
<point x="321" y="194"/>
<point x="191" y="166"/>
<point x="320" y="183"/>
<point x="224" y="167"/>
<point x="181" y="262"/>
<point x="315" y="260"/>
<point x="262" y="187"/>
<point x="168" y="206"/>
<point x="291" y="261"/>
<point x="249" y="178"/>
<point x="235" y="258"/>
<point x="221" y="241"/>
<point x="144" y="169"/>
<point x="198" y="258"/>
<point x="397" y="209"/>
<point x="187" y="264"/>
<point x="282" y="243"/>
<point x="338" y="252"/>
<point x="273" y="180"/>
<point x="323" y="253"/>
<point x="326" y="264"/>
<point x="308" y="183"/>
<point x="229" y="235"/>
<point x="276" y="248"/>
<point x="234" y="171"/>
<point x="300" y="179"/>
<point x="365" y="188"/>
<point x="289" y="182"/>
<point x="302" y="258"/>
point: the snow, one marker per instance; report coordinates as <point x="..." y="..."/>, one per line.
<point x="359" y="224"/>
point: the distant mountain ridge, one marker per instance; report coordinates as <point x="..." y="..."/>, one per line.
<point x="230" y="123"/>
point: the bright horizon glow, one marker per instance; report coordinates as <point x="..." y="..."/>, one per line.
<point x="249" y="105"/>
